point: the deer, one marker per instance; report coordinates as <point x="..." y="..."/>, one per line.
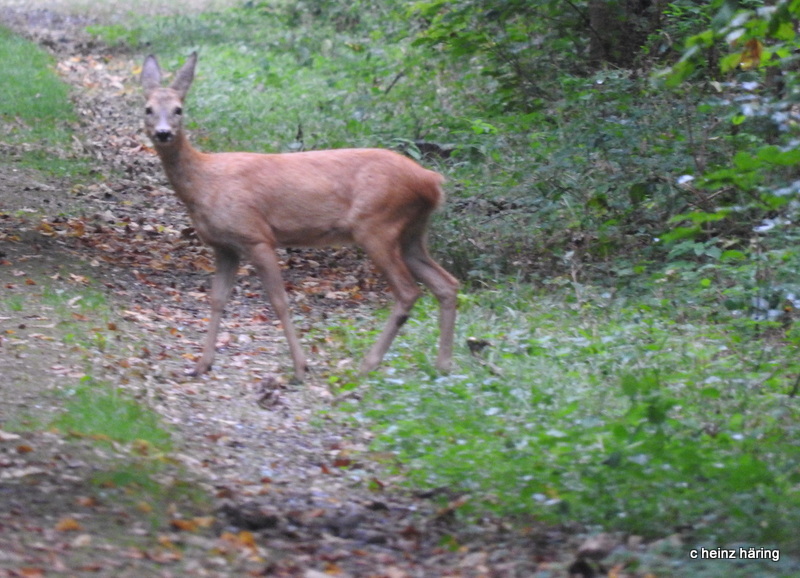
<point x="245" y="205"/>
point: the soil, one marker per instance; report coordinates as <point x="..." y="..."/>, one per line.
<point x="264" y="479"/>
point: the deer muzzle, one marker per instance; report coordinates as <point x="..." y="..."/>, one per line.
<point x="163" y="135"/>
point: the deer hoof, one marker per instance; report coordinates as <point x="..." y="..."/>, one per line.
<point x="198" y="369"/>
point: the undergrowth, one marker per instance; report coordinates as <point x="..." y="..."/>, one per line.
<point x="611" y="411"/>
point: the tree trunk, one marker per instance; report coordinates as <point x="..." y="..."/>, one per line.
<point x="619" y="28"/>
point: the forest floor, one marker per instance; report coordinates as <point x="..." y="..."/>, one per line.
<point x="263" y="479"/>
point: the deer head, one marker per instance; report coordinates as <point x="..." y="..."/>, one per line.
<point x="164" y="108"/>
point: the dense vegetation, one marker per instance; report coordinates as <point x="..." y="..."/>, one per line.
<point x="622" y="211"/>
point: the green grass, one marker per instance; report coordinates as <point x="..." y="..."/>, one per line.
<point x="15" y="303"/>
<point x="79" y="328"/>
<point x="141" y="471"/>
<point x="35" y="108"/>
<point x="34" y="102"/>
<point x="105" y="413"/>
<point x="617" y="414"/>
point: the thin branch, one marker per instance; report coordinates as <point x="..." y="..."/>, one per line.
<point x="399" y="75"/>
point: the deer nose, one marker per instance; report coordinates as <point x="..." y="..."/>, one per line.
<point x="163" y="134"/>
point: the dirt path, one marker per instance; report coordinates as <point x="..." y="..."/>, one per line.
<point x="262" y="483"/>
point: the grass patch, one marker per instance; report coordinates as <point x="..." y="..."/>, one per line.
<point x="152" y="487"/>
<point x="140" y="474"/>
<point x="65" y="321"/>
<point x="608" y="412"/>
<point x="35" y="108"/>
<point x="105" y="413"/>
<point x="35" y="103"/>
<point x="83" y="315"/>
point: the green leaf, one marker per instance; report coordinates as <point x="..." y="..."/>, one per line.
<point x="680" y="233"/>
<point x="746" y="162"/>
<point x="776" y="156"/>
<point x="733" y="255"/>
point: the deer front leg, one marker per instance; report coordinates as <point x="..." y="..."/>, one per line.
<point x="227" y="263"/>
<point x="269" y="270"/>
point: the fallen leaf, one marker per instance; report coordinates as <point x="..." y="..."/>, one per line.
<point x="751" y="54"/>
<point x="342" y="462"/>
<point x="204" y="521"/>
<point x="247" y="539"/>
<point x="242" y="540"/>
<point x="184" y="525"/>
<point x="142" y="447"/>
<point x="68" y="525"/>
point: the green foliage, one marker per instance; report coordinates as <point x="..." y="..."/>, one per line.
<point x="740" y="229"/>
<point x="611" y="412"/>
<point x="518" y="45"/>
<point x="734" y="24"/>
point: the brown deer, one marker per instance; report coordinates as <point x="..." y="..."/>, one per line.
<point x="245" y="205"/>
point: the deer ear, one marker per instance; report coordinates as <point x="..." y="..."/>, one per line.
<point x="185" y="76"/>
<point x="151" y="75"/>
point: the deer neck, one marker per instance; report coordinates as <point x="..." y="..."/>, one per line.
<point x="180" y="161"/>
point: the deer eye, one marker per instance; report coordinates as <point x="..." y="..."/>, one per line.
<point x="178" y="111"/>
<point x="148" y="110"/>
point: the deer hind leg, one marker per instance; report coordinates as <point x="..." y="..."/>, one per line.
<point x="443" y="286"/>
<point x="269" y="270"/>
<point x="390" y="261"/>
<point x="227" y="263"/>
